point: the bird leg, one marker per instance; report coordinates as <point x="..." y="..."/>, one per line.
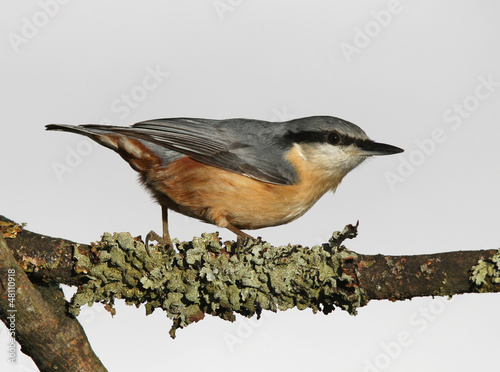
<point x="163" y="240"/>
<point x="164" y="218"/>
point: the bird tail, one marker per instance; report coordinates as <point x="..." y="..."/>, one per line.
<point x="130" y="148"/>
<point x="102" y="134"/>
<point x="89" y="130"/>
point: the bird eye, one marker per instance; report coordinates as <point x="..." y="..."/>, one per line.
<point x="333" y="138"/>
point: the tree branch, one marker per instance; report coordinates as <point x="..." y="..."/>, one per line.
<point x="37" y="318"/>
<point x="203" y="277"/>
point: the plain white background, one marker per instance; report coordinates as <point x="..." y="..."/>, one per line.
<point x="421" y="75"/>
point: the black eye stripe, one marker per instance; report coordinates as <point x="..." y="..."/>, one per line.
<point x="320" y="137"/>
<point x="348" y="141"/>
<point x="305" y="137"/>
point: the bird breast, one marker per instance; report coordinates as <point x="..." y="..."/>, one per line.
<point x="220" y="197"/>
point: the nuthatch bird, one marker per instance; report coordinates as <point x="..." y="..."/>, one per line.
<point x="237" y="173"/>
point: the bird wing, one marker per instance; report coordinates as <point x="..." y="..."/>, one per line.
<point x="249" y="147"/>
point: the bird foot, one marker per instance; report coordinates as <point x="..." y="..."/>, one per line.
<point x="162" y="240"/>
<point x="240" y="241"/>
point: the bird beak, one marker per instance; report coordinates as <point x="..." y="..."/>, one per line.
<point x="370" y="148"/>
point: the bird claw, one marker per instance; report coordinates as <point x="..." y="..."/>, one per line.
<point x="162" y="240"/>
<point x="240" y="241"/>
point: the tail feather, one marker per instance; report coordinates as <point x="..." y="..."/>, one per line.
<point x="90" y="130"/>
<point x="104" y="135"/>
<point x="140" y="156"/>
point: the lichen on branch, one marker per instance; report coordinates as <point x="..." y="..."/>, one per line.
<point x="201" y="277"/>
<point x="486" y="274"/>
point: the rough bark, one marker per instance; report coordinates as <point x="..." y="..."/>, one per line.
<point x="37" y="318"/>
<point x="203" y="276"/>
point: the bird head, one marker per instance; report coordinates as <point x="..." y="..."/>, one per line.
<point x="333" y="146"/>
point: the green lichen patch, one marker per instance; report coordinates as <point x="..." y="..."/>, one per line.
<point x="201" y="277"/>
<point x="486" y="273"/>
